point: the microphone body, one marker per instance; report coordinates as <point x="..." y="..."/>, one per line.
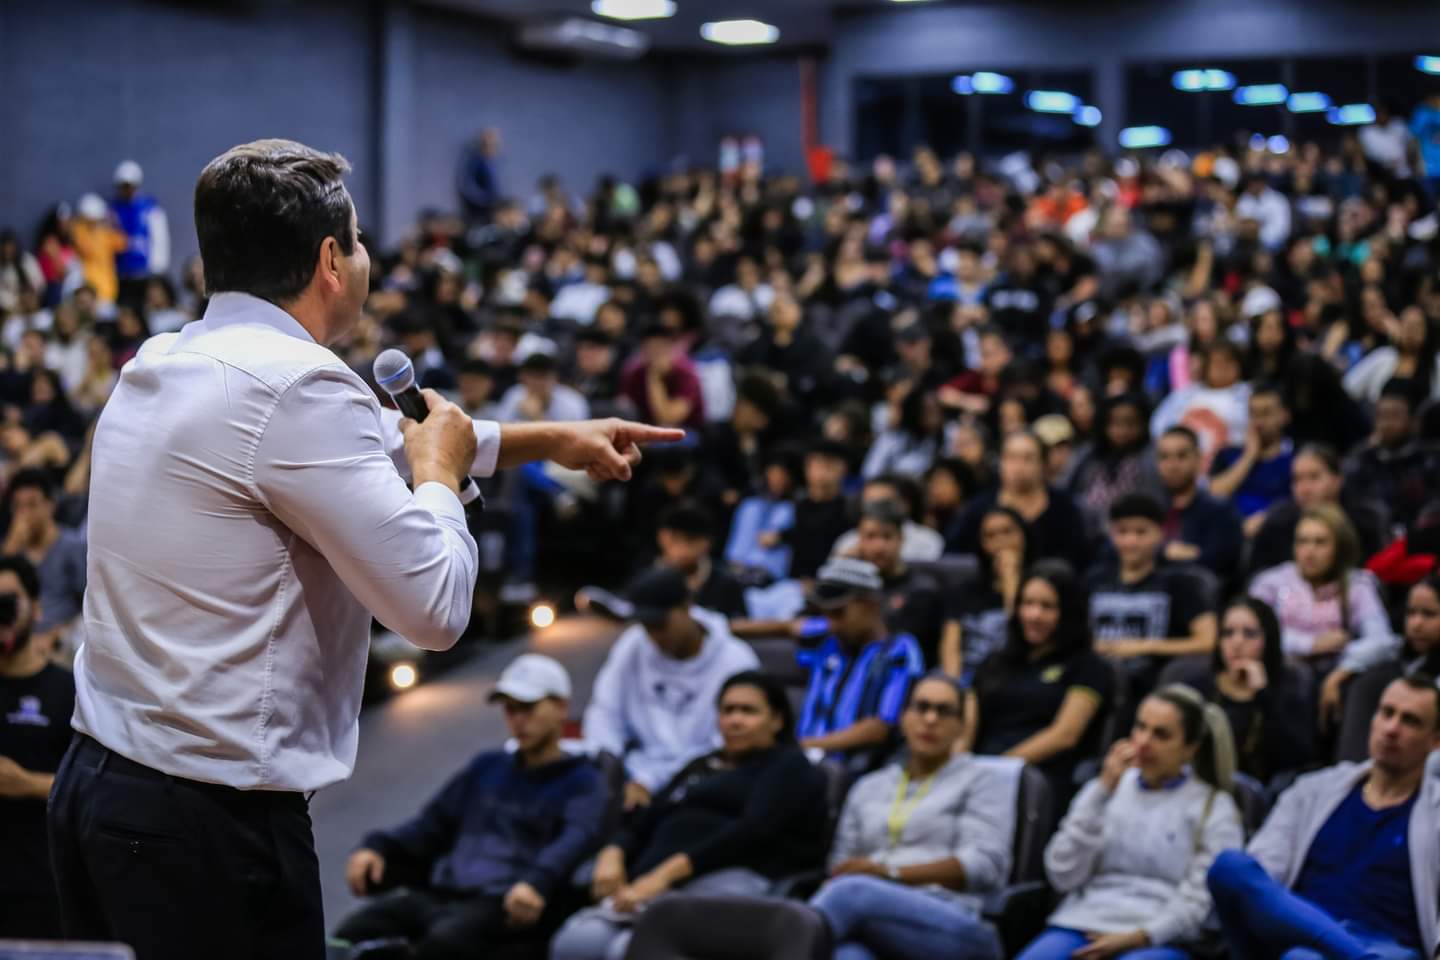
<point x="396" y="376"/>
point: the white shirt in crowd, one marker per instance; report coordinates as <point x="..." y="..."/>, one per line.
<point x="1271" y="210"/>
<point x="566" y="403"/>
<point x="248" y="514"/>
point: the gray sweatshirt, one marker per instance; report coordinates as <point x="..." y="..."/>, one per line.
<point x="1130" y="860"/>
<point x="968" y="813"/>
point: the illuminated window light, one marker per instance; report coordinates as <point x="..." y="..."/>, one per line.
<point x="1052" y="101"/>
<point x="1428" y="64"/>
<point x="1200" y="81"/>
<point x="403" y="676"/>
<point x="1140" y="138"/>
<point x="542" y="615"/>
<point x="1278" y="144"/>
<point x="986" y="82"/>
<point x="1313" y="102"/>
<point x="634" y="9"/>
<point x="1261" y="95"/>
<point x="963" y="85"/>
<point x="736" y="33"/>
<point x="1351" y="115"/>
<point x="1088" y="116"/>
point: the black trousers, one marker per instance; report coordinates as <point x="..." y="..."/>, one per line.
<point x="441" y="926"/>
<point x="25" y="917"/>
<point x="180" y="870"/>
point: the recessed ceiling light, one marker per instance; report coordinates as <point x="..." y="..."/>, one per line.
<point x="740" y="32"/>
<point x="634" y="9"/>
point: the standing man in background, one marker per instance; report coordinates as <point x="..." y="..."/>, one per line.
<point x="478" y="179"/>
<point x="248" y="515"/>
<point x="147" y="233"/>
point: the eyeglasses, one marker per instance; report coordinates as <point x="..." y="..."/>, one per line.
<point x="945" y="711"/>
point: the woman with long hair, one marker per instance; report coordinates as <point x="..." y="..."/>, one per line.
<point x="913" y="442"/>
<point x="1040" y="697"/>
<point x="730" y="822"/>
<point x="1329" y="609"/>
<point x="1419" y="653"/>
<point x="1131" y="855"/>
<point x="1412" y="353"/>
<point x="1119" y="463"/>
<point x="1262" y="700"/>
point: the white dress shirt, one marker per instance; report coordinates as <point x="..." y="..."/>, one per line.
<point x="248" y="514"/>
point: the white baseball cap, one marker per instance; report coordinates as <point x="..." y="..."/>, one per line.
<point x="530" y="678"/>
<point x="92" y="207"/>
<point x="129" y="172"/>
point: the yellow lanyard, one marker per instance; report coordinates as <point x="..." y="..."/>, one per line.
<point x="900" y="811"/>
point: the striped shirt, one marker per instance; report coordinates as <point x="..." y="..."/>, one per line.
<point x="846" y="689"/>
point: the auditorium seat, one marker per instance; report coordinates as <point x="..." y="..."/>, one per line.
<point x="685" y="927"/>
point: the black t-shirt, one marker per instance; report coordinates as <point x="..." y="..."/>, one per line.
<point x="722" y="593"/>
<point x="1019" y="703"/>
<point x="1160" y="606"/>
<point x="34" y="732"/>
<point x="913" y="605"/>
<point x="983" y="622"/>
<point x="818" y="524"/>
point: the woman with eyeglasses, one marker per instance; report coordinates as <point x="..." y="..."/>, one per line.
<point x="920" y="842"/>
<point x="1130" y="857"/>
<point x="729" y="823"/>
<point x="1264" y="703"/>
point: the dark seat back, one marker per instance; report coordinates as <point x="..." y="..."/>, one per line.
<point x="1035" y="818"/>
<point x="777" y="657"/>
<point x="1250" y="797"/>
<point x="682" y="927"/>
<point x="953" y="572"/>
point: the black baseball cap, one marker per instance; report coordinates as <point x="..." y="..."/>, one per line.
<point x="653" y="594"/>
<point x="843" y="579"/>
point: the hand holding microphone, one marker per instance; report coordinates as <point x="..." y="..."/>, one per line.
<point x="439" y="437"/>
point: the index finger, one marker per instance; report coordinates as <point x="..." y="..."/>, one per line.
<point x="645" y="433"/>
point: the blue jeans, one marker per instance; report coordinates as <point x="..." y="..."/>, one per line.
<point x="1262" y="919"/>
<point x="1058" y="943"/>
<point x="872" y="918"/>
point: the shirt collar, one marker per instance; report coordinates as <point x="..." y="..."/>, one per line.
<point x="1173" y="783"/>
<point x="227" y="309"/>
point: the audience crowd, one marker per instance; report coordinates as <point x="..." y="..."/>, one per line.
<point x="1103" y="479"/>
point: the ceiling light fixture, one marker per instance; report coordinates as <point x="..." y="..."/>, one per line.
<point x="737" y="33"/>
<point x="634" y="9"/>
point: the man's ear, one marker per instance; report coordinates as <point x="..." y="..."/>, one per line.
<point x="327" y="266"/>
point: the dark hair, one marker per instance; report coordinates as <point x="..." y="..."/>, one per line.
<point x="1325" y="454"/>
<point x="1424" y="683"/>
<point x="912" y="415"/>
<point x="1430" y="582"/>
<point x="775" y="697"/>
<point x="1223" y="345"/>
<point x="24" y="571"/>
<point x="1269" y="387"/>
<point x="262" y="211"/>
<point x="909" y="493"/>
<point x="1204" y="724"/>
<point x="1402" y="388"/>
<point x="1072" y="632"/>
<point x="687" y="517"/>
<point x="476" y="367"/>
<point x="758" y="391"/>
<point x="1027" y="537"/>
<point x="889" y="512"/>
<point x="959" y="471"/>
<point x="1106" y="410"/>
<point x="1183" y="431"/>
<point x="1131" y="506"/>
<point x="1273" y="655"/>
<point x="939" y="676"/>
<point x="33" y="478"/>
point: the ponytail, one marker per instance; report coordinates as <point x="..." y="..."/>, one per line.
<point x="1205" y="724"/>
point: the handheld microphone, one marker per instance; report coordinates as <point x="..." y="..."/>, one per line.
<point x="396" y="376"/>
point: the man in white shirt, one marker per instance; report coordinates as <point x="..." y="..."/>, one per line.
<point x="249" y="514"/>
<point x="1268" y="208"/>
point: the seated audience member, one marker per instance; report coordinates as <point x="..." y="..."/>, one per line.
<point x="1330" y="611"/>
<point x="1143" y="613"/>
<point x="1217" y="407"/>
<point x="1041" y="696"/>
<point x="730" y="822"/>
<point x="661" y="384"/>
<point x="1199" y="528"/>
<point x="975" y="391"/>
<point x="920" y="843"/>
<point x="1394" y="467"/>
<point x="976" y="619"/>
<point x="918" y="543"/>
<point x="756" y="542"/>
<point x="861" y="672"/>
<point x="1316" y="480"/>
<point x="734" y="448"/>
<point x="494" y="849"/>
<point x="36" y="701"/>
<point x="913" y="442"/>
<point x="57" y="553"/>
<point x="1420" y="653"/>
<point x="1347" y="863"/>
<point x="540" y="396"/>
<point x="913" y="604"/>
<point x="1132" y="852"/>
<point x="1256" y="476"/>
<point x="1057" y="527"/>
<point x="822" y="514"/>
<point x="1119" y="463"/>
<point x="685" y="538"/>
<point x="948" y="483"/>
<point x="1262" y="699"/>
<point x="653" y="700"/>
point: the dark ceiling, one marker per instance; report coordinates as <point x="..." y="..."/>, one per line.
<point x="802" y="23"/>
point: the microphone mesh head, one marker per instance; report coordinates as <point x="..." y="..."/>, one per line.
<point x="394" y="372"/>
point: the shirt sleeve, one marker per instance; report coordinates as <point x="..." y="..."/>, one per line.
<point x="987" y="825"/>
<point x="487" y="444"/>
<point x="906" y="665"/>
<point x="1074" y="850"/>
<point x="321" y="468"/>
<point x="1182" y="917"/>
<point x="1087" y="672"/>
